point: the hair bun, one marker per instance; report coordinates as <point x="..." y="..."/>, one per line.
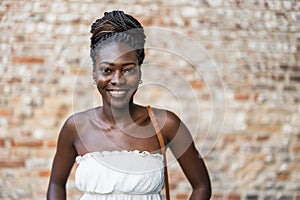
<point x="120" y="27"/>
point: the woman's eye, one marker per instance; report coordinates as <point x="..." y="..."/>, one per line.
<point x="130" y="70"/>
<point x="105" y="70"/>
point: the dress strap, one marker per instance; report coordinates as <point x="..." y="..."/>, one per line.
<point x="163" y="148"/>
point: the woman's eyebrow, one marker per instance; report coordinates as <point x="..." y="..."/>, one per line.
<point x="105" y="62"/>
<point x="114" y="64"/>
<point x="129" y="63"/>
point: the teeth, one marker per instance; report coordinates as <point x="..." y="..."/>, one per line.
<point x="115" y="92"/>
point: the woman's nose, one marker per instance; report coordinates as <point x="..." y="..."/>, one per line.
<point x="117" y="78"/>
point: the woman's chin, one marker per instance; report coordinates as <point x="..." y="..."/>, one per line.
<point x="119" y="105"/>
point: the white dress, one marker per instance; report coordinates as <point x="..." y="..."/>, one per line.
<point x="122" y="175"/>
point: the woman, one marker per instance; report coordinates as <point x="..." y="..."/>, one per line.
<point x="115" y="145"/>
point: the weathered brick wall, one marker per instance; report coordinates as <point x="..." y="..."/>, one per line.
<point x="46" y="76"/>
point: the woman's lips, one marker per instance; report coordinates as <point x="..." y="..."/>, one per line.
<point x="117" y="93"/>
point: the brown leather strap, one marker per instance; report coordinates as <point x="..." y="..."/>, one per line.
<point x="163" y="149"/>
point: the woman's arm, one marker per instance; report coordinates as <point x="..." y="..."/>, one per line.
<point x="182" y="146"/>
<point x="63" y="162"/>
<point x="195" y="170"/>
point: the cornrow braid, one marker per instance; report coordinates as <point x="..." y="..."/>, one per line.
<point x="116" y="26"/>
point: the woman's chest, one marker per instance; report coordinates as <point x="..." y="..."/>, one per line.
<point x="115" y="140"/>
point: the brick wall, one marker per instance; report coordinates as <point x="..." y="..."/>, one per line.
<point x="255" y="44"/>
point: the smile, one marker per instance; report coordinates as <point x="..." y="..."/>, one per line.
<point x="117" y="93"/>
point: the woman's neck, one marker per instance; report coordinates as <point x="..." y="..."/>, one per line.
<point x="118" y="116"/>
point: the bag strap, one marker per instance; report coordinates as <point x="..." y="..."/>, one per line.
<point x="163" y="148"/>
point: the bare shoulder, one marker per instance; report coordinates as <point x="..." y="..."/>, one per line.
<point x="76" y="121"/>
<point x="169" y="117"/>
<point x="168" y="121"/>
<point x="82" y="117"/>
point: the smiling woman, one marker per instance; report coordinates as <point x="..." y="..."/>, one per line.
<point x="119" y="146"/>
<point x="117" y="74"/>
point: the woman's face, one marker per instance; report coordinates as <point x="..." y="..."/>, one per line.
<point x="117" y="74"/>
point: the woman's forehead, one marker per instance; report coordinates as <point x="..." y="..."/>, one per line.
<point x="116" y="53"/>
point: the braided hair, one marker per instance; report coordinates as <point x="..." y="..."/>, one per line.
<point x="116" y="26"/>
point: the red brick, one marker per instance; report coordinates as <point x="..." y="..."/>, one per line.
<point x="11" y="163"/>
<point x="262" y="128"/>
<point x="26" y="143"/>
<point x="14" y="80"/>
<point x="262" y="138"/>
<point x="217" y="196"/>
<point x="44" y="173"/>
<point x="6" y="112"/>
<point x="29" y="60"/>
<point x="241" y="96"/>
<point x="182" y="196"/>
<point x="283" y="176"/>
<point x="234" y="196"/>
<point x="146" y="21"/>
<point x="25" y="133"/>
<point x="15" y="122"/>
<point x="19" y="38"/>
<point x="52" y="143"/>
<point x="197" y="84"/>
<point x="2" y="142"/>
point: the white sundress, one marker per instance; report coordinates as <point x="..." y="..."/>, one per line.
<point x="120" y="175"/>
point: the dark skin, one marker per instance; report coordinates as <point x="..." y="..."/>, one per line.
<point x="121" y="124"/>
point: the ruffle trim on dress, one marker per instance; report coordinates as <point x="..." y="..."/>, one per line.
<point x="99" y="154"/>
<point x="123" y="196"/>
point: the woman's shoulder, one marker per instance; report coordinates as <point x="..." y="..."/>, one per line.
<point x="81" y="117"/>
<point x="168" y="121"/>
<point x="167" y="116"/>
